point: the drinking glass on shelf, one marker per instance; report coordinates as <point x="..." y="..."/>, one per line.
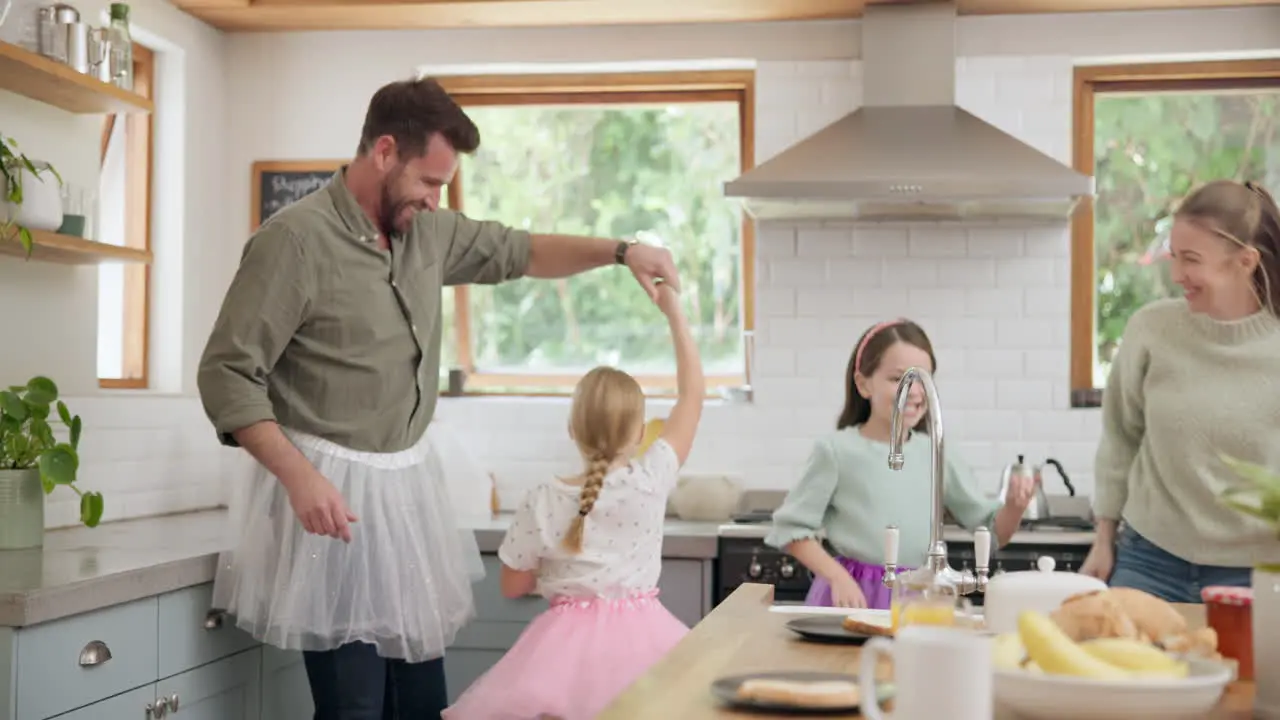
<point x="72" y="210"/>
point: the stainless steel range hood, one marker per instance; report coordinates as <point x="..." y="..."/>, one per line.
<point x="910" y="153"/>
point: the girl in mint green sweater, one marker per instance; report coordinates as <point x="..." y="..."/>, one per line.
<point x="849" y="493"/>
<point x="1195" y="377"/>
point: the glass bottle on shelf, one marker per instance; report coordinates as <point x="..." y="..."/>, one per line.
<point x="121" y="46"/>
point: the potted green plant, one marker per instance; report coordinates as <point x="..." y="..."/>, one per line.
<point x="34" y="462"/>
<point x="29" y="202"/>
<point x="1259" y="496"/>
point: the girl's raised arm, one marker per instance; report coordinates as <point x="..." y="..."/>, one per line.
<point x="691" y="386"/>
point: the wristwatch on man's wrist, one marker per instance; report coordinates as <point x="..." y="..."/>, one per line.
<point x="620" y="254"/>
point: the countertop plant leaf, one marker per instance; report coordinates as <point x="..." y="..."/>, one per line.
<point x="29" y="440"/>
<point x="1259" y="494"/>
<point x="91" y="509"/>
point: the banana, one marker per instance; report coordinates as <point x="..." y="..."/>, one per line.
<point x="1055" y="653"/>
<point x="1007" y="652"/>
<point x="1137" y="657"/>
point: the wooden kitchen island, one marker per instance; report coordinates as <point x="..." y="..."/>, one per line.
<point x="742" y="636"/>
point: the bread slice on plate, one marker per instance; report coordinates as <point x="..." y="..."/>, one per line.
<point x="799" y="693"/>
<point x="868" y="624"/>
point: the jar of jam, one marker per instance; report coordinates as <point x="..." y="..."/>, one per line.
<point x="1229" y="611"/>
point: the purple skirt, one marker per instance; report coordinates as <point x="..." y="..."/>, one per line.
<point x="870" y="579"/>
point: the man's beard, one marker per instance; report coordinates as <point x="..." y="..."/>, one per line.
<point x="391" y="205"/>
<point x="390" y="210"/>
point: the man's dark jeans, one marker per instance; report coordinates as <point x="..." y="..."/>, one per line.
<point x="354" y="683"/>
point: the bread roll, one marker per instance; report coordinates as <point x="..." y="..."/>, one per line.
<point x="821" y="694"/>
<point x="1095" y="614"/>
<point x="1153" y="617"/>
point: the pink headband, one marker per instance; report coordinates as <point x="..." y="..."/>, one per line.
<point x="875" y="330"/>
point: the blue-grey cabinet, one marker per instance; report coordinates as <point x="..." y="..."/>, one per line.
<point x="146" y="660"/>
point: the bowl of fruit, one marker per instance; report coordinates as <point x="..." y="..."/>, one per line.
<point x="1108" y="655"/>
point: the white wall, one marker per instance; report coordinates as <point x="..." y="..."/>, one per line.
<point x="293" y="96"/>
<point x="148" y="452"/>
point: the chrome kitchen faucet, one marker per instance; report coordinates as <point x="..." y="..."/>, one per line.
<point x="965" y="582"/>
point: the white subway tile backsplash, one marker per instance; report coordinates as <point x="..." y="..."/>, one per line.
<point x="1024" y="394"/>
<point x="1049" y="301"/>
<point x="967" y="273"/>
<point x="862" y="273"/>
<point x="773" y="301"/>
<point x="825" y="301"/>
<point x="773" y="242"/>
<point x="995" y="242"/>
<point x="1024" y="272"/>
<point x="911" y="273"/>
<point x="881" y="304"/>
<point x="794" y="332"/>
<point x="824" y="243"/>
<point x="937" y="242"/>
<point x="940" y="302"/>
<point x="870" y="242"/>
<point x="995" y="303"/>
<point x="797" y="273"/>
<point x="1011" y="333"/>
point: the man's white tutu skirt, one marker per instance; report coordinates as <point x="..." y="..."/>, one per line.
<point x="403" y="583"/>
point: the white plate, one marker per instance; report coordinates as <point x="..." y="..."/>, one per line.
<point x="1055" y="697"/>
<point x="817" y="610"/>
<point x="871" y="617"/>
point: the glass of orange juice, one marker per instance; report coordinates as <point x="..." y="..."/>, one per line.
<point x="921" y="598"/>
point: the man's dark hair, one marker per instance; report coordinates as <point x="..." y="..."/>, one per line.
<point x="411" y="111"/>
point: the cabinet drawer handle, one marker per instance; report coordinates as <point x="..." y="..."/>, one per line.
<point x="213" y="619"/>
<point x="95" y="653"/>
<point x="173" y="703"/>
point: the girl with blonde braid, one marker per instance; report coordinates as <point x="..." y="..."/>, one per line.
<point x="592" y="545"/>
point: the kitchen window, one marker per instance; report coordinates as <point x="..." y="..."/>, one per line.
<point x="1149" y="134"/>
<point x="124" y="218"/>
<point x="610" y="155"/>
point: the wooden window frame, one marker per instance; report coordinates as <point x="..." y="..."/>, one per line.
<point x="139" y="144"/>
<point x="614" y="89"/>
<point x="1089" y="83"/>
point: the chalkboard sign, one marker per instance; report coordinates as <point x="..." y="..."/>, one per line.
<point x="278" y="183"/>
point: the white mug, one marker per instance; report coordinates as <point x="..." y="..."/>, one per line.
<point x="939" y="672"/>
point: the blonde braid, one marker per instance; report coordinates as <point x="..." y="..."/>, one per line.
<point x="596" y="470"/>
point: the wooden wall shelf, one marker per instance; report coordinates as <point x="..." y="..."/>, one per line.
<point x="69" y="250"/>
<point x="53" y="83"/>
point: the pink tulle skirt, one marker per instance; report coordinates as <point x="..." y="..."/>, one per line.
<point x="573" y="660"/>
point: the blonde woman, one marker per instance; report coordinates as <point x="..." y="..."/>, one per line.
<point x="1195" y="377"/>
<point x="592" y="545"/>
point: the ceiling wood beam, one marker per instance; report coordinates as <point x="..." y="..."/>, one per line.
<point x="295" y="15"/>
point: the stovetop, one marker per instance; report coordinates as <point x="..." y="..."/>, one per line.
<point x="752" y="517"/>
<point x="1062" y="522"/>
